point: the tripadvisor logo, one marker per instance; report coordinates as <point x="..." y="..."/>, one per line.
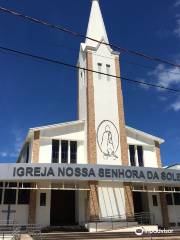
<point x="140" y="231"/>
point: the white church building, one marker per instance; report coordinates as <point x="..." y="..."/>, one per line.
<point x="95" y="168"/>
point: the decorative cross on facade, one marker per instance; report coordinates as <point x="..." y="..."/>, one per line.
<point x="9" y="212"/>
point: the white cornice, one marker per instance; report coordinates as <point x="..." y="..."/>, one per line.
<point x="145" y="135"/>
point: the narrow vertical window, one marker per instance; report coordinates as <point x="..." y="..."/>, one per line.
<point x="10" y="194"/>
<point x="27" y="154"/>
<point x="24" y="194"/>
<point x="169" y="199"/>
<point x="108" y="71"/>
<point x="99" y="70"/>
<point x="154" y="199"/>
<point x="73" y="152"/>
<point x="64" y="151"/>
<point x="176" y="198"/>
<point x="42" y="199"/>
<point x="132" y="155"/>
<point x="55" y="151"/>
<point x="1" y="189"/>
<point x="140" y="156"/>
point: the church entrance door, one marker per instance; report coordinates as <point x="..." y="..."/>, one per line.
<point x="62" y="207"/>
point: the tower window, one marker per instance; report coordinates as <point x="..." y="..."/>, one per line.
<point x="108" y="68"/>
<point x="132" y="155"/>
<point x="55" y="151"/>
<point x="99" y="70"/>
<point x="73" y="152"/>
<point x="64" y="151"/>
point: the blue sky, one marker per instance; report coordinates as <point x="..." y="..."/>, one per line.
<point x="34" y="93"/>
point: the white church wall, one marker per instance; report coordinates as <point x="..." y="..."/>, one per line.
<point x="105" y="101"/>
<point x="155" y="210"/>
<point x="149" y="153"/>
<point x="75" y="132"/>
<point x="20" y="216"/>
<point x="22" y="212"/>
<point x="174" y="214"/>
<point x="30" y="150"/>
<point x="81" y="206"/>
<point x="82" y="84"/>
<point x="150" y="159"/>
<point x="61" y="133"/>
<point x="43" y="212"/>
<point x="81" y="159"/>
<point x="45" y="151"/>
<point x="111" y="199"/>
<point x="137" y="140"/>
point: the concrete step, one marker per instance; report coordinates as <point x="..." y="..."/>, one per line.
<point x="102" y="235"/>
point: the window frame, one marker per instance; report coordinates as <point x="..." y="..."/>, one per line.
<point x="63" y="152"/>
<point x="56" y="159"/>
<point x="42" y="199"/>
<point x="76" y="147"/>
<point x="136" y="158"/>
<point x="99" y="71"/>
<point x="108" y="71"/>
<point x="10" y="195"/>
<point x="155" y="200"/>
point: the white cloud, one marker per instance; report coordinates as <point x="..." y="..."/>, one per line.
<point x="3" y="154"/>
<point x="177" y="3"/>
<point x="166" y="76"/>
<point x="8" y="154"/>
<point x="18" y="140"/>
<point x="177" y="29"/>
<point x="162" y="98"/>
<point x="176" y="106"/>
<point x="13" y="152"/>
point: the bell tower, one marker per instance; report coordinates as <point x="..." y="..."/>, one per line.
<point x="100" y="101"/>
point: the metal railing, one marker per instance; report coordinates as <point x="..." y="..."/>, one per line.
<point x="142" y="218"/>
<point x="9" y="230"/>
<point x="13" y="231"/>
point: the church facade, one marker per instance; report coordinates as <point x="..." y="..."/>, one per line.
<point x="98" y="141"/>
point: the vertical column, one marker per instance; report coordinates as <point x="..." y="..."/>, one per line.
<point x="35" y="159"/>
<point x="164" y="210"/>
<point x="128" y="200"/>
<point x="123" y="142"/>
<point x="36" y="144"/>
<point x="158" y="154"/>
<point x="32" y="206"/>
<point x="91" y="131"/>
<point x="123" y="137"/>
<point x="93" y="202"/>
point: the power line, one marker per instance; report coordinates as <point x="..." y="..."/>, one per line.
<point x="77" y="34"/>
<point x="85" y="69"/>
<point x="63" y="46"/>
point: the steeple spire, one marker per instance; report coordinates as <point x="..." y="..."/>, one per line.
<point x="96" y="28"/>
